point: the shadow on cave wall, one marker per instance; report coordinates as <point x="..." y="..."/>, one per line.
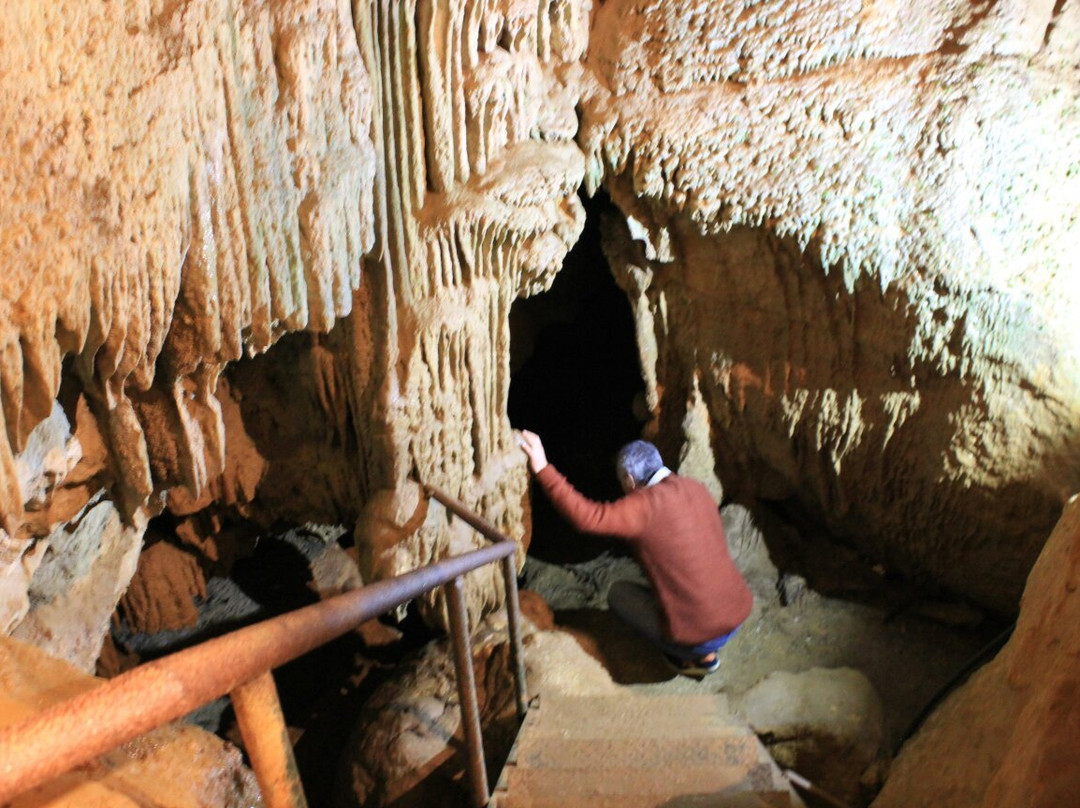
<point x="575" y="375"/>
<point x="797" y="347"/>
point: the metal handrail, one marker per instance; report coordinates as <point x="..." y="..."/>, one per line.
<point x="513" y="603"/>
<point x="77" y="730"/>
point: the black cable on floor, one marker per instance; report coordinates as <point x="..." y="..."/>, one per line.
<point x="976" y="661"/>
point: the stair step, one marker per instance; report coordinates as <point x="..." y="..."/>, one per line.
<point x="583" y="786"/>
<point x="636" y="752"/>
<point x="606" y="716"/>
<point x="639" y="751"/>
<point x="738" y="799"/>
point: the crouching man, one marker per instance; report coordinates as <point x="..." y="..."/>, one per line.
<point x="698" y="598"/>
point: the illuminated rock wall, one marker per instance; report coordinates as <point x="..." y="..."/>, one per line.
<point x="193" y="182"/>
<point x="847" y="242"/>
<point x="475" y="127"/>
<point x="477" y="205"/>
<point x="1008" y="736"/>
<point x="849" y="233"/>
<point x="182" y="186"/>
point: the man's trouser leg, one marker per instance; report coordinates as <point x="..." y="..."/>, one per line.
<point x="636" y="605"/>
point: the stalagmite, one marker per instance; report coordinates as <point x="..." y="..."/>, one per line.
<point x="257" y="262"/>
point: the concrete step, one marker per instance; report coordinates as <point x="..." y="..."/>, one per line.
<point x="739" y="799"/>
<point x="539" y="751"/>
<point x="660" y="716"/>
<point x="628" y="781"/>
<point x="684" y="751"/>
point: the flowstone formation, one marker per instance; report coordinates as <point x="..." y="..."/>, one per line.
<point x="849" y="231"/>
<point x="845" y="240"/>
<point x="182" y="186"/>
<point x="194" y="182"/>
<point x="477" y="191"/>
<point x="257" y="260"/>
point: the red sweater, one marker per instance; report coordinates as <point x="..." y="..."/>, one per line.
<point x="675" y="530"/>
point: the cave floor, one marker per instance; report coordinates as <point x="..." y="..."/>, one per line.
<point x="907" y="657"/>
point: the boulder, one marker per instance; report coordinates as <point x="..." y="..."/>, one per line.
<point x="825" y="724"/>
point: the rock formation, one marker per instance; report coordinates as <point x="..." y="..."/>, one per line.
<point x="1008" y="737"/>
<point x="257" y="260"/>
<point x="848" y="230"/>
<point x="477" y="205"/>
<point x="183" y="186"/>
<point x="863" y="198"/>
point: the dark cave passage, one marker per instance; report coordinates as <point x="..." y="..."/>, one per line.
<point x="575" y="375"/>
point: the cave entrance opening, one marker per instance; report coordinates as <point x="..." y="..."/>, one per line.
<point x="576" y="381"/>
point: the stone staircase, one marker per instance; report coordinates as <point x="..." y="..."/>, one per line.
<point x="669" y="751"/>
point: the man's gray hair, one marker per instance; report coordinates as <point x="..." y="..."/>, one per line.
<point x="640" y="460"/>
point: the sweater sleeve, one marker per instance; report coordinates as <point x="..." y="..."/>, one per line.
<point x="624" y="518"/>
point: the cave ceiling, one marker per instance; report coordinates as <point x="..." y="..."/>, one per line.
<point x="260" y="257"/>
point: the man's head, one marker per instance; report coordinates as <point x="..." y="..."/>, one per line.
<point x="636" y="463"/>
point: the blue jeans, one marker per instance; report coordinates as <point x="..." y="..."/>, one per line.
<point x="636" y="605"/>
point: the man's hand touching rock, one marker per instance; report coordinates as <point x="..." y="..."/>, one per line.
<point x="533" y="447"/>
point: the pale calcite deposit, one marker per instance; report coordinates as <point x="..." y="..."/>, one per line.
<point x="477" y="205"/>
<point x="87" y="566"/>
<point x="182" y="185"/>
<point x="845" y="244"/>
<point x="71" y="560"/>
<point x="853" y="227"/>
<point x="848" y="240"/>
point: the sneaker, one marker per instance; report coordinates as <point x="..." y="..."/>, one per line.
<point x="694" y="668"/>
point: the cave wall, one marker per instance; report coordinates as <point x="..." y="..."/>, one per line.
<point x="195" y="182"/>
<point x="1009" y="735"/>
<point x="260" y="257"/>
<point x="849" y="231"/>
<point x="183" y="186"/>
<point x="481" y="172"/>
<point x="477" y="205"/>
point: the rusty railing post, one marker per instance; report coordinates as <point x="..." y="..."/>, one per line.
<point x="513" y="625"/>
<point x="466" y="683"/>
<point x="513" y="603"/>
<point x="74" y="731"/>
<point x="258" y="712"/>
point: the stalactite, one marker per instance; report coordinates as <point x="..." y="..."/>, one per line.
<point x="826" y="185"/>
<point x="449" y="176"/>
<point x="204" y="190"/>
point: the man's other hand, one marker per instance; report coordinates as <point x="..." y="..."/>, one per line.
<point x="533" y="447"/>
